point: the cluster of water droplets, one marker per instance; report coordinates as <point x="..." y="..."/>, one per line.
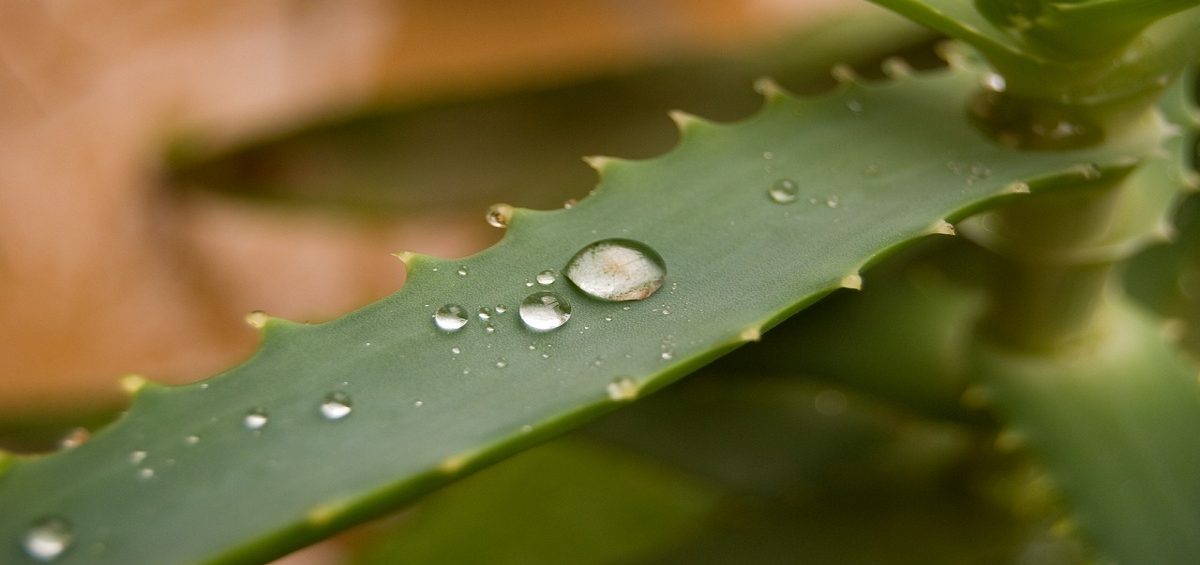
<point x="609" y="270"/>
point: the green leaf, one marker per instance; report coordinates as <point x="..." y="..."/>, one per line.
<point x="1071" y="53"/>
<point x="876" y="167"/>
<point x="568" y="502"/>
<point x="1115" y="423"/>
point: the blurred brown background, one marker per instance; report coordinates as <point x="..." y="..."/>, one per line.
<point x="113" y="261"/>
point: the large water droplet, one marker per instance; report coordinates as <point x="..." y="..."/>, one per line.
<point x="546" y="278"/>
<point x="47" y="539"/>
<point x="255" y="419"/>
<point x="450" y="317"/>
<point x="617" y="270"/>
<point x="335" y="406"/>
<point x="784" y="191"/>
<point x="544" y="311"/>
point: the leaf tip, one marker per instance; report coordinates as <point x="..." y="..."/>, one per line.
<point x="852" y="281"/>
<point x="896" y="68"/>
<point x="324" y="513"/>
<point x="453" y="464"/>
<point x="942" y="227"/>
<point x="683" y="120"/>
<point x="132" y="383"/>
<point x="844" y="74"/>
<point x="768" y="88"/>
<point x="623" y="389"/>
<point x="1016" y="188"/>
<point x="598" y="162"/>
<point x="257" y="319"/>
<point x="952" y="53"/>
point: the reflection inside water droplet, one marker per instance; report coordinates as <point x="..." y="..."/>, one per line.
<point x="450" y="317"/>
<point x="784" y="191"/>
<point x="544" y="311"/>
<point x="617" y="270"/>
<point x="48" y="538"/>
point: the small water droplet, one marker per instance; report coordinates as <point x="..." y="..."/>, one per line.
<point x="501" y="363"/>
<point x="48" y="538"/>
<point x="832" y="201"/>
<point x="768" y="155"/>
<point x="546" y="278"/>
<point x="667" y="355"/>
<point x="784" y="191"/>
<point x="74" y="438"/>
<point x="419" y="403"/>
<point x="488" y="328"/>
<point x="545" y="356"/>
<point x="450" y="317"/>
<point x="336" y="406"/>
<point x="485" y="313"/>
<point x="617" y="270"/>
<point x="500" y="308"/>
<point x="544" y="311"/>
<point x="570" y="203"/>
<point x="871" y="170"/>
<point x="455" y="350"/>
<point x="854" y="106"/>
<point x="462" y="270"/>
<point x="255" y="419"/>
<point x="498" y="215"/>
<point x="526" y="429"/>
<point x="145" y="474"/>
<point x="136" y="457"/>
<point x="192" y="439"/>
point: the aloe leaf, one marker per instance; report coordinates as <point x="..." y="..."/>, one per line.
<point x="874" y="166"/>
<point x="1070" y="53"/>
<point x="569" y="502"/>
<point x="1116" y="427"/>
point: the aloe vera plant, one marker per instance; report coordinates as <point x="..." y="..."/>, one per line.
<point x="1058" y="141"/>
